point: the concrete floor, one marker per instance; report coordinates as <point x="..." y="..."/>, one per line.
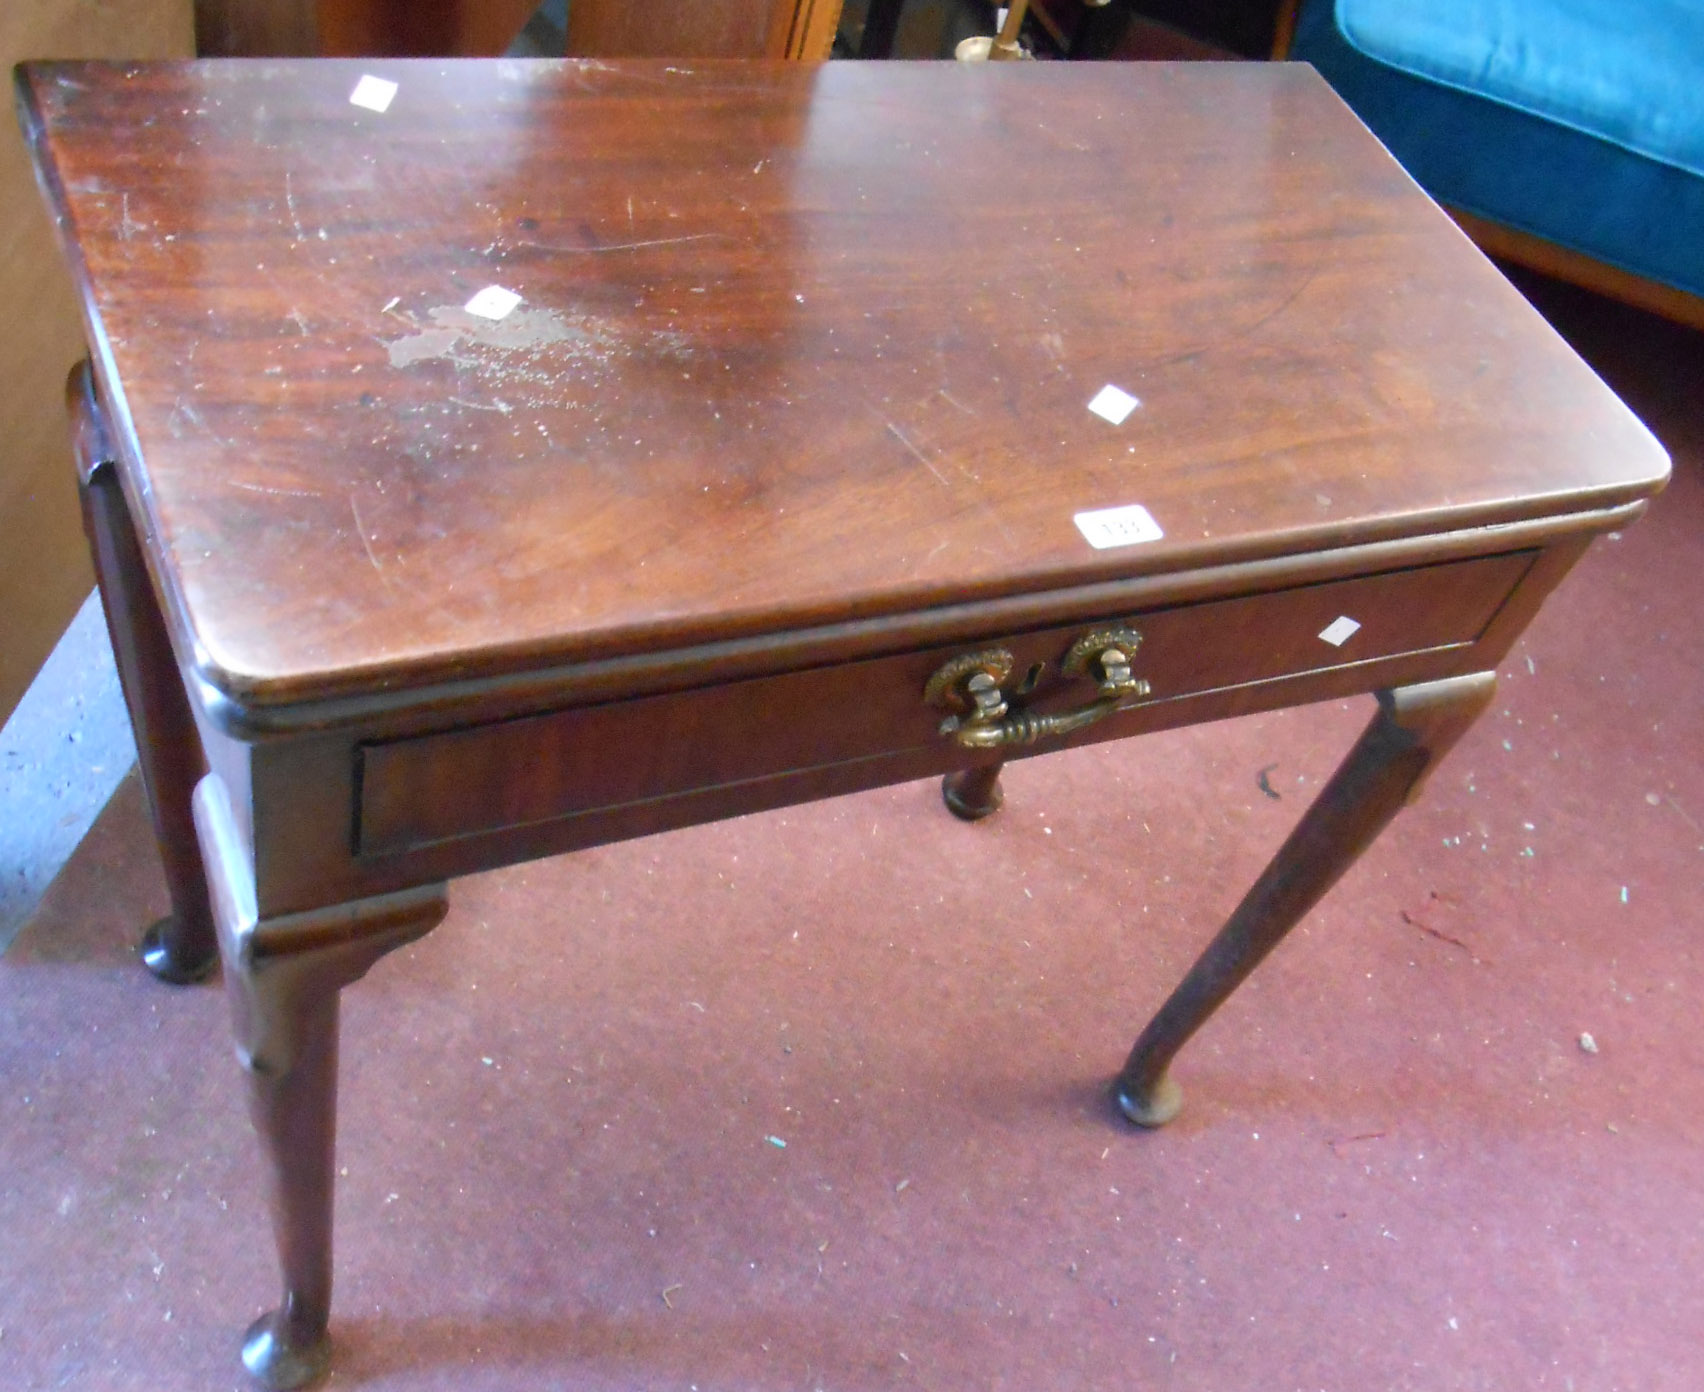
<point x="1401" y="1165"/>
<point x="62" y="753"/>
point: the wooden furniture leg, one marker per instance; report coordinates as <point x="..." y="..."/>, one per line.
<point x="881" y="24"/>
<point x="1414" y="728"/>
<point x="181" y="947"/>
<point x="284" y="975"/>
<point x="974" y="793"/>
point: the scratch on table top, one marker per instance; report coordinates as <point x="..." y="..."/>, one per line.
<point x="127" y="225"/>
<point x="1690" y="820"/>
<point x="581" y="67"/>
<point x="1271" y="314"/>
<point x="189" y="413"/>
<point x="290" y="203"/>
<point x="281" y="492"/>
<point x="366" y="544"/>
<point x="621" y="246"/>
<point x="921" y="458"/>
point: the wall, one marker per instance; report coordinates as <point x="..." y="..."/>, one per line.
<point x="44" y="571"/>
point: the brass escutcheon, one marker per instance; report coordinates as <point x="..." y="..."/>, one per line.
<point x="949" y="686"/>
<point x="969" y="686"/>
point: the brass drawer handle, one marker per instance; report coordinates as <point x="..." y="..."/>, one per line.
<point x="970" y="687"/>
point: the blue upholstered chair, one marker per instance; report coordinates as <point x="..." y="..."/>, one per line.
<point x="1565" y="134"/>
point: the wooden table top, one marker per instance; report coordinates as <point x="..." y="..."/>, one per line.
<point x="795" y="344"/>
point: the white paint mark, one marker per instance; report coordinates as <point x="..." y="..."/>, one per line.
<point x="391" y="304"/>
<point x="1113" y="404"/>
<point x="1119" y="526"/>
<point x="493" y="302"/>
<point x="374" y="93"/>
<point x="1339" y="631"/>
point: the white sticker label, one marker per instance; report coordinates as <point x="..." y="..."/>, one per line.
<point x="493" y="302"/>
<point x="1119" y="526"/>
<point x="1339" y="631"/>
<point x="374" y="93"/>
<point x="1113" y="404"/>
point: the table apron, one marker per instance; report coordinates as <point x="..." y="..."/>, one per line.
<point x="346" y="814"/>
<point x="418" y="791"/>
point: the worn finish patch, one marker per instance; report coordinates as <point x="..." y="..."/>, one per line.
<point x="524" y="330"/>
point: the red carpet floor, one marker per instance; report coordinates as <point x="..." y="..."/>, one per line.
<point x="1399" y="1167"/>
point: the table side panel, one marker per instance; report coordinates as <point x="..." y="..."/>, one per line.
<point x="456" y="783"/>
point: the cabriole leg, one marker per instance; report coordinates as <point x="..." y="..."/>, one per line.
<point x="180" y="947"/>
<point x="284" y="975"/>
<point x="974" y="793"/>
<point x="1414" y="728"/>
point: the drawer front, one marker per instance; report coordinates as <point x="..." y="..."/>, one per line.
<point x="425" y="789"/>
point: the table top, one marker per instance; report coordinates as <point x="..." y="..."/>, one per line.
<point x="794" y="344"/>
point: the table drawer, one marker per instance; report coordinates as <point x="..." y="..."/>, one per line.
<point x="424" y="789"/>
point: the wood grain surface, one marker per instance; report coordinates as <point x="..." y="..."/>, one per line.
<point x="796" y="344"/>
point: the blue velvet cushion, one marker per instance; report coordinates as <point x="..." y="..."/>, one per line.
<point x="1581" y="121"/>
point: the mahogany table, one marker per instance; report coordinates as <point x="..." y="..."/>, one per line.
<point x="779" y="479"/>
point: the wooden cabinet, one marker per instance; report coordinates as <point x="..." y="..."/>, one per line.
<point x="704" y="29"/>
<point x="350" y="28"/>
<point x="596" y="28"/>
